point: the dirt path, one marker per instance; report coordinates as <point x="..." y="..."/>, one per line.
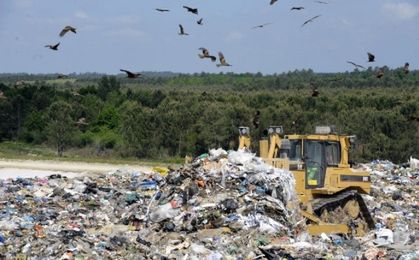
<point x="30" y="168"/>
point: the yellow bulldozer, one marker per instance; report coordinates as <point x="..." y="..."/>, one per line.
<point x="329" y="189"/>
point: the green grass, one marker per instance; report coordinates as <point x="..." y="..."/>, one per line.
<point x="24" y="151"/>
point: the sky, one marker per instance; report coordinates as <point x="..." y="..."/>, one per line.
<point x="131" y="34"/>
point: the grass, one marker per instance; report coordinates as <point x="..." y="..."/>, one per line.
<point x="24" y="151"/>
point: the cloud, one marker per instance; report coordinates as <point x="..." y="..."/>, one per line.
<point x="234" y="36"/>
<point x="23" y="3"/>
<point x="128" y="33"/>
<point x="81" y="15"/>
<point x="126" y="19"/>
<point x="402" y="11"/>
<point x="345" y="22"/>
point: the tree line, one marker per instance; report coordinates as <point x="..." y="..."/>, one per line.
<point x="178" y="115"/>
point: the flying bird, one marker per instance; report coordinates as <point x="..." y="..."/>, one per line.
<point x="273" y="2"/>
<point x="200" y="21"/>
<point x="190" y="9"/>
<point x="182" y="32"/>
<point x="314" y="91"/>
<point x="66" y="29"/>
<point x="130" y="74"/>
<point x="371" y="57"/>
<point x="205" y="54"/>
<point x="261" y="25"/>
<point x="222" y="60"/>
<point x="379" y="74"/>
<point x="406" y="68"/>
<point x="321" y="2"/>
<point x="297" y="8"/>
<point x="356" y="65"/>
<point x="310" y="20"/>
<point x="162" y="10"/>
<point x="53" y="47"/>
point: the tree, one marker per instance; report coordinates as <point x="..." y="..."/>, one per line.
<point x="60" y="125"/>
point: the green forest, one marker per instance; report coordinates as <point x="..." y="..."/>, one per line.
<point x="164" y="115"/>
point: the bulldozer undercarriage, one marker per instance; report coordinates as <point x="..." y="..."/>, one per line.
<point x="344" y="209"/>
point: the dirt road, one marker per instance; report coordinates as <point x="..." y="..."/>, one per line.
<point x="30" y="168"/>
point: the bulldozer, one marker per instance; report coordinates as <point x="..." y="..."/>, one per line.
<point x="328" y="188"/>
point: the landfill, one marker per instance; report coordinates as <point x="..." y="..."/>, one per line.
<point x="223" y="205"/>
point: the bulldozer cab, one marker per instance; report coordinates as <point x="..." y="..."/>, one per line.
<point x="325" y="181"/>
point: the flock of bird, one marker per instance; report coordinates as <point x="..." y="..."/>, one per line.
<point x="205" y="54"/>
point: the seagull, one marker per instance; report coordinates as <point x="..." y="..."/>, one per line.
<point x="182" y="32"/>
<point x="200" y="21"/>
<point x="260" y="26"/>
<point x="2" y="96"/>
<point x="53" y="47"/>
<point x="130" y="74"/>
<point x="406" y="68"/>
<point x="314" y="91"/>
<point x="205" y="54"/>
<point x="310" y="20"/>
<point x="380" y="73"/>
<point x="297" y="8"/>
<point x="371" y="57"/>
<point x="222" y="60"/>
<point x="81" y="121"/>
<point x="190" y="9"/>
<point x="273" y="2"/>
<point x="162" y="10"/>
<point x="61" y="76"/>
<point x="321" y="2"/>
<point x="356" y="65"/>
<point x="66" y="29"/>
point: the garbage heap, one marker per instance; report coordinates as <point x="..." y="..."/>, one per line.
<point x="223" y="205"/>
<point x="393" y="203"/>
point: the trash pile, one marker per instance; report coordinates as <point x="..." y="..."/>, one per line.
<point x="222" y="206"/>
<point x="393" y="203"/>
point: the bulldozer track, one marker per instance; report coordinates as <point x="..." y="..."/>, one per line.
<point x="340" y="200"/>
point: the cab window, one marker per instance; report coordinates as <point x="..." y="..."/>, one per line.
<point x="332" y="153"/>
<point x="295" y="152"/>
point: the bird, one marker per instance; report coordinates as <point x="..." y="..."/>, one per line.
<point x="256" y="119"/>
<point x="222" y="60"/>
<point x="66" y="29"/>
<point x="273" y="2"/>
<point x="53" y="47"/>
<point x="356" y="65"/>
<point x="200" y="21"/>
<point x="261" y="25"/>
<point x="314" y="91"/>
<point x="371" y="57"/>
<point x="130" y="74"/>
<point x="321" y="2"/>
<point x="81" y="121"/>
<point x="162" y="10"/>
<point x="61" y="76"/>
<point x="297" y="8"/>
<point x="190" y="9"/>
<point x="205" y="54"/>
<point x="310" y="20"/>
<point x="406" y="68"/>
<point x="182" y="32"/>
<point x="379" y="74"/>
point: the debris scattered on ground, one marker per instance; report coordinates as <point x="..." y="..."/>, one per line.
<point x="221" y="206"/>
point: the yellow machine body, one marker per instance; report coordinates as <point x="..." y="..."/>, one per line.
<point x="335" y="180"/>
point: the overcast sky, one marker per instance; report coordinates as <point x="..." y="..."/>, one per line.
<point x="130" y="34"/>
